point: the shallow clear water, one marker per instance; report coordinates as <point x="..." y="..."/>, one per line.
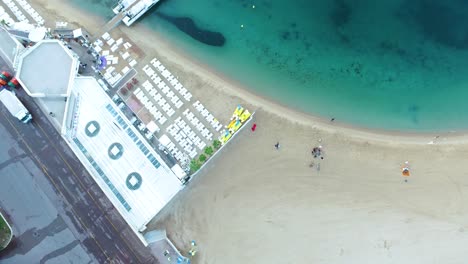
<point x="390" y="64"/>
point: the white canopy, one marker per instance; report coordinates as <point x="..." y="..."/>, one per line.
<point x="37" y="34"/>
<point x="77" y="33"/>
<point x="164" y="140"/>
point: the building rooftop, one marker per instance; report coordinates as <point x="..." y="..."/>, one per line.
<point x="47" y="69"/>
<point x="9" y="47"/>
<point x="128" y="170"/>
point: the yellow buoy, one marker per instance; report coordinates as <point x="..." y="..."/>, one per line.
<point x="253" y="6"/>
<point x="242" y="25"/>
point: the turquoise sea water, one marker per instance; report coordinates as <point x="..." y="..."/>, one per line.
<point x="388" y="64"/>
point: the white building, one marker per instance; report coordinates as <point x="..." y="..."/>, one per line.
<point x="128" y="170"/>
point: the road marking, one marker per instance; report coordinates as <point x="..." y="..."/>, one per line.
<point x="52" y="181"/>
<point x="119" y="232"/>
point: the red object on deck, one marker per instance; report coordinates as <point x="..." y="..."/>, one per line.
<point x="254" y="127"/>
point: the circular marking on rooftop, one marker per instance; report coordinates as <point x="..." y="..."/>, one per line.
<point x="134" y="181"/>
<point x="115" y="151"/>
<point x="92" y="128"/>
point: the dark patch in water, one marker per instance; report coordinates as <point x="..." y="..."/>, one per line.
<point x="413" y="108"/>
<point x="341" y="13"/>
<point x="286" y="35"/>
<point x="445" y="22"/>
<point x="188" y="26"/>
<point x="391" y="46"/>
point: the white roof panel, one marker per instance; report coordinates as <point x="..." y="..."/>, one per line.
<point x="129" y="171"/>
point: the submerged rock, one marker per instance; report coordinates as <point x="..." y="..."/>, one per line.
<point x="188" y="26"/>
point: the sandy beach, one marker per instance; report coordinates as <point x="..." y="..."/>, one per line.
<point x="256" y="204"/>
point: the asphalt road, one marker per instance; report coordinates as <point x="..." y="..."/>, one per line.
<point x="57" y="211"/>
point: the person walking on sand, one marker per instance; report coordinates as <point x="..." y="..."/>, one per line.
<point x="277" y="145"/>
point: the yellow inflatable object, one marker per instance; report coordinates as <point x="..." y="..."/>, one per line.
<point x="245" y="115"/>
<point x="224" y="138"/>
<point x="237" y="125"/>
<point x="232" y="123"/>
<point x="238" y="111"/>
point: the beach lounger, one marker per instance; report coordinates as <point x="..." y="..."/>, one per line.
<point x="125" y="70"/>
<point x="158" y="115"/>
<point x="157" y="97"/>
<point x="106" y="36"/>
<point x="179" y="104"/>
<point x="153" y="60"/>
<point x="126" y="55"/>
<point x="137" y="92"/>
<point x="162" y="120"/>
<point x="132" y="63"/>
<point x="110" y="42"/>
<point x="193" y="153"/>
<point x="190" y="116"/>
<point x="114" y="48"/>
<point x="153" y="93"/>
<point x="200" y="127"/>
<point x="201" y="145"/>
<point x="119" y="41"/>
<point x="165" y="89"/>
<point x="165" y="107"/>
<point x="186" y="111"/>
<point x="170" y="112"/>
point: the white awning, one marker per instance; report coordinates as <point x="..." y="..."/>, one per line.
<point x="164" y="140"/>
<point x="77" y="33"/>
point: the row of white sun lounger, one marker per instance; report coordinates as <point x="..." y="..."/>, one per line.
<point x="174" y="150"/>
<point x="161" y="101"/>
<point x="158" y="116"/>
<point x="15" y="10"/>
<point x="179" y="122"/>
<point x="184" y="139"/>
<point x="199" y="125"/>
<point x="171" y="79"/>
<point x="4" y="16"/>
<point x="208" y="116"/>
<point x="30" y="10"/>
<point x="111" y="76"/>
<point x="166" y="90"/>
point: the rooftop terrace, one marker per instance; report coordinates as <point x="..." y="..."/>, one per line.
<point x="47" y="69"/>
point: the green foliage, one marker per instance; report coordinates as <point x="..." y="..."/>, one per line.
<point x="216" y="144"/>
<point x="4" y="233"/>
<point x="202" y="158"/>
<point x="194" y="165"/>
<point x="208" y="151"/>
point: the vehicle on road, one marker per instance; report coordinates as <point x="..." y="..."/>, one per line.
<point x="14" y="83"/>
<point x="5" y="77"/>
<point x="14" y="105"/>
